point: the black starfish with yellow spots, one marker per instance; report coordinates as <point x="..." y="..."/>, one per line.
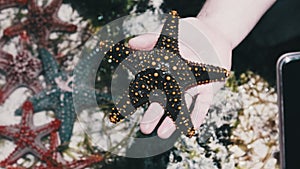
<point x="160" y="69"/>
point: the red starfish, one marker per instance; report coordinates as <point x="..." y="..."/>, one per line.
<point x="54" y="160"/>
<point x="21" y="70"/>
<point x="11" y="3"/>
<point x="26" y="136"/>
<point x="41" y="22"/>
<point x="60" y="163"/>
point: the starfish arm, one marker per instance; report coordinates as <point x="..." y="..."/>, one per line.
<point x="4" y="66"/>
<point x="43" y="36"/>
<point x="53" y="7"/>
<point x="38" y="149"/>
<point x="47" y="129"/>
<point x="14" y="156"/>
<point x="35" y="86"/>
<point x="204" y="73"/>
<point x="122" y="109"/>
<point x="114" y="54"/>
<point x="54" y="141"/>
<point x="7" y="4"/>
<point x="32" y="5"/>
<point x="4" y="56"/>
<point x="9" y="87"/>
<point x="65" y="112"/>
<point x="46" y="100"/>
<point x="168" y="39"/>
<point x="11" y="3"/>
<point x="87" y="97"/>
<point x="102" y="98"/>
<point x="59" y="25"/>
<point x="54" y="156"/>
<point x="9" y="132"/>
<point x="43" y="101"/>
<point x="16" y="29"/>
<point x="50" y="66"/>
<point x="82" y="74"/>
<point x="3" y="41"/>
<point x="87" y="66"/>
<point x="27" y="115"/>
<point x="11" y="167"/>
<point x="35" y="65"/>
<point x="5" y="60"/>
<point x="141" y="60"/>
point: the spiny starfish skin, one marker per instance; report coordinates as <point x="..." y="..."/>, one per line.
<point x="41" y="22"/>
<point x="12" y="3"/>
<point x="54" y="160"/>
<point x="76" y="164"/>
<point x="154" y="70"/>
<point x="21" y="70"/>
<point x="26" y="136"/>
<point x="58" y="161"/>
<point x="59" y="98"/>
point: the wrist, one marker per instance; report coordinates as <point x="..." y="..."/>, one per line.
<point x="234" y="18"/>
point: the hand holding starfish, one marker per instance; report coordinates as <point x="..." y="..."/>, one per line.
<point x="224" y="28"/>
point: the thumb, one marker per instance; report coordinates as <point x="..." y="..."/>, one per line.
<point x="144" y="42"/>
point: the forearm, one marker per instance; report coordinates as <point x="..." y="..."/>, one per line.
<point x="234" y="19"/>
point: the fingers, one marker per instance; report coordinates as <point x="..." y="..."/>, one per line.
<point x="192" y="93"/>
<point x="151" y="118"/>
<point x="148" y="41"/>
<point x="166" y="129"/>
<point x="188" y="53"/>
<point x="144" y="42"/>
<point x="200" y="110"/>
<point x="203" y="96"/>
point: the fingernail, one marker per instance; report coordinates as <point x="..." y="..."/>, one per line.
<point x="136" y="41"/>
<point x="166" y="132"/>
<point x="145" y="129"/>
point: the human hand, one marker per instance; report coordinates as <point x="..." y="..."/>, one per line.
<point x="198" y="43"/>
